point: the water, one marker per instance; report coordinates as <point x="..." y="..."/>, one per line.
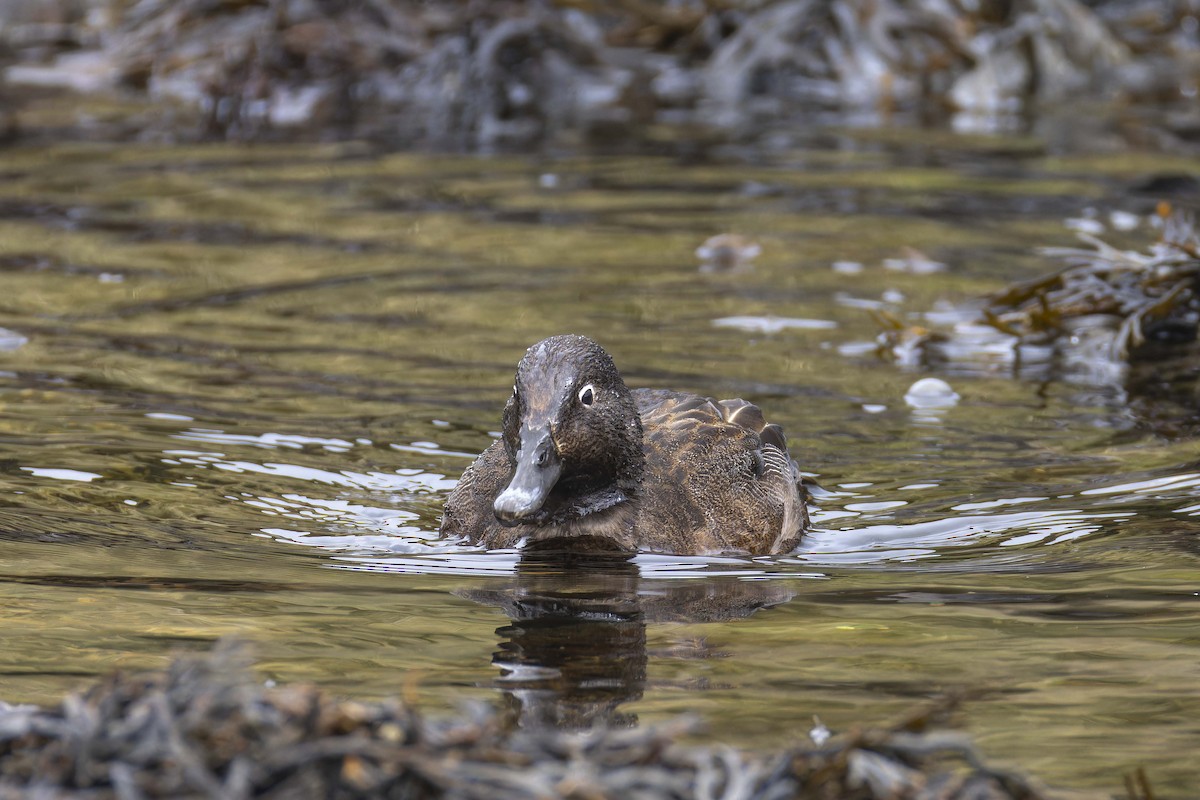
<point x="237" y="384"/>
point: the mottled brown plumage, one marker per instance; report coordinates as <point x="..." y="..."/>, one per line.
<point x="585" y="463"/>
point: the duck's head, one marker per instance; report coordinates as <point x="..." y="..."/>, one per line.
<point x="572" y="433"/>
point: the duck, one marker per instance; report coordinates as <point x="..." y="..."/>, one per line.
<point x="584" y="464"/>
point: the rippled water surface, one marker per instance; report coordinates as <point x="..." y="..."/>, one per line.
<point x="237" y="384"/>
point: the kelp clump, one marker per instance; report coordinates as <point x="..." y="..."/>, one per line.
<point x="206" y="728"/>
<point x="487" y="72"/>
<point x="1141" y="297"/>
<point x="1087" y="322"/>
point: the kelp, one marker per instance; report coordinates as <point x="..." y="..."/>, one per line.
<point x="1088" y="320"/>
<point x="206" y="727"/>
<point x="482" y="72"/>
<point x="1148" y="295"/>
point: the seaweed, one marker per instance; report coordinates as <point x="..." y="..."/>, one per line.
<point x="1141" y="295"/>
<point x="1089" y="320"/>
<point x="205" y="727"/>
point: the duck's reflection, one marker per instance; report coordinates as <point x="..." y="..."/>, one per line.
<point x="575" y="648"/>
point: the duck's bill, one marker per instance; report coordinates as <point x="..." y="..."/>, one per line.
<point x="538" y="468"/>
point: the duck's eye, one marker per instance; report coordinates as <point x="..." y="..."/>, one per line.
<point x="587" y="395"/>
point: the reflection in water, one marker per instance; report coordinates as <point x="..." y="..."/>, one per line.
<point x="575" y="650"/>
<point x="348" y="520"/>
<point x="874" y="543"/>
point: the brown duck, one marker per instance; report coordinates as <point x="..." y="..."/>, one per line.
<point x="585" y="463"/>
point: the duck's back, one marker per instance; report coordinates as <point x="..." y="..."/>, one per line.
<point x="717" y="477"/>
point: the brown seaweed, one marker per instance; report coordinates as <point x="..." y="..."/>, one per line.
<point x="204" y="727"/>
<point x="1104" y="310"/>
<point x="494" y="71"/>
<point x="1136" y="291"/>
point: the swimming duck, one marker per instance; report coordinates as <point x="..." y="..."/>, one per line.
<point x="587" y="464"/>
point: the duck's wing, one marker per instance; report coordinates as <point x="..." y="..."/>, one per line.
<point x="718" y="477"/>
